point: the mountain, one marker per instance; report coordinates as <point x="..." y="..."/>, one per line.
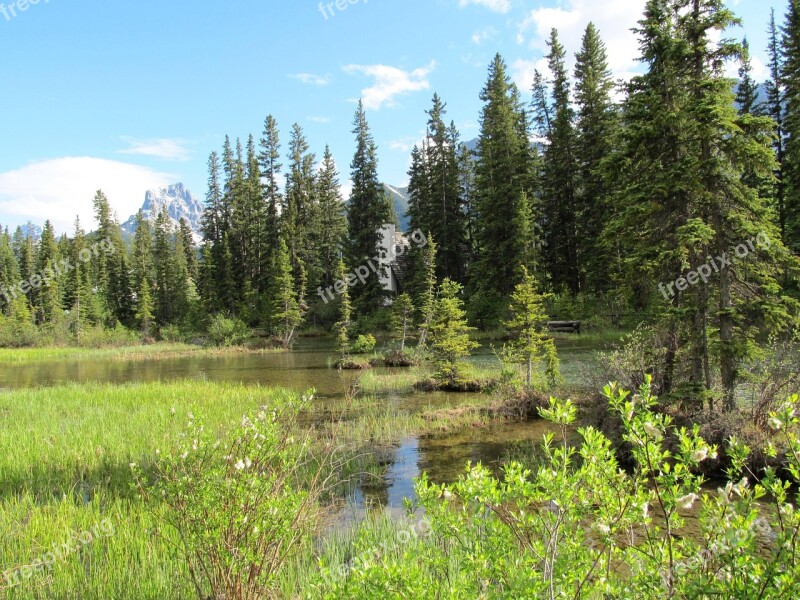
<point x="179" y="202"/>
<point x="399" y="196"/>
<point x="29" y="230"/>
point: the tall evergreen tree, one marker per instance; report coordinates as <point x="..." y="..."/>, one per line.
<point x="300" y="215"/>
<point x="596" y="124"/>
<point x="791" y="165"/>
<point x="747" y="89"/>
<point x="46" y="280"/>
<point x="502" y="176"/>
<point x="436" y="198"/>
<point x="367" y="212"/>
<point x="775" y="107"/>
<point x="332" y="232"/>
<point x="560" y="193"/>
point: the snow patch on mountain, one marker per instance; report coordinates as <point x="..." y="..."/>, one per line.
<point x="180" y="203"/>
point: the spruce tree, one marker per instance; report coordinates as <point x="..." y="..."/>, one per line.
<point x="747" y="89"/>
<point x="46" y="279"/>
<point x="367" y="212"/>
<point x="790" y="77"/>
<point x="270" y="166"/>
<point x="775" y="107"/>
<point x="502" y="174"/>
<point x="531" y="344"/>
<point x="560" y="194"/>
<point x="286" y="313"/>
<point x="345" y="322"/>
<point x="449" y="331"/>
<point x="597" y="120"/>
<point x="332" y="232"/>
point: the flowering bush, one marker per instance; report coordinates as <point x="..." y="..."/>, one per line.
<point x="242" y="505"/>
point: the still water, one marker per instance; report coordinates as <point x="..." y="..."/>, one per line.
<point x="443" y="457"/>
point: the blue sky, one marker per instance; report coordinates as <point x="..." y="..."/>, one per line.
<point x="127" y="96"/>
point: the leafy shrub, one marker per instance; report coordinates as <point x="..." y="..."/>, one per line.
<point x="244" y="505"/>
<point x="576" y="525"/>
<point x="364" y="344"/>
<point x="171" y="333"/>
<point x="227" y="332"/>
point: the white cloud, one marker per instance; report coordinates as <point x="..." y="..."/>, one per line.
<point x="311" y="78"/>
<point x="522" y="72"/>
<point x="481" y="36"/>
<point x="500" y="6"/>
<point x="613" y="18"/>
<point x="164" y="148"/>
<point x="390" y="82"/>
<point x="61" y="188"/>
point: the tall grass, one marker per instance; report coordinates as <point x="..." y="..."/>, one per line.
<point x="132" y="352"/>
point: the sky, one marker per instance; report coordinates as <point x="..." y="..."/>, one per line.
<point x="127" y="96"/>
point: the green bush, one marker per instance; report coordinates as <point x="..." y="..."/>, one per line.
<point x="576" y="525"/>
<point x="364" y="344"/>
<point x="228" y="332"/>
<point x="243" y="505"/>
<point x="16" y="334"/>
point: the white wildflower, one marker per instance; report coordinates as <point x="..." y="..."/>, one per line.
<point x="651" y="430"/>
<point x="239" y="465"/>
<point x="686" y="502"/>
<point x="132" y="465"/>
<point x="775" y="424"/>
<point x="700" y="454"/>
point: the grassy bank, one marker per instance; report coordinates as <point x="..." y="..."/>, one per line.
<point x="128" y="353"/>
<point x="65" y="476"/>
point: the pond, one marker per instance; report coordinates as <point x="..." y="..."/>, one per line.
<point x="443" y="457"/>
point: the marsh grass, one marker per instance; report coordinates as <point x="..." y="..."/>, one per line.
<point x="156" y="351"/>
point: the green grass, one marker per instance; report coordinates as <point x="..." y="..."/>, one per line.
<point x="65" y="457"/>
<point x="128" y="353"/>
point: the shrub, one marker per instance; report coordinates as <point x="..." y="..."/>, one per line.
<point x="244" y="505"/>
<point x="578" y="526"/>
<point x="227" y="332"/>
<point x="364" y="344"/>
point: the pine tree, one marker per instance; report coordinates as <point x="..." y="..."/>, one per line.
<point x="189" y="251"/>
<point x="111" y="265"/>
<point x="436" y="198"/>
<point x="300" y="215"/>
<point x="775" y="107"/>
<point x="9" y="273"/>
<point x="403" y="318"/>
<point x="286" y="314"/>
<point x="450" y="340"/>
<point x="332" y="232"/>
<point x="791" y="161"/>
<point x="502" y="174"/>
<point x="270" y="166"/>
<point x="560" y="201"/>
<point x="426" y="298"/>
<point x="142" y="251"/>
<point x="46" y="280"/>
<point x="367" y="212"/>
<point x="597" y="120"/>
<point x="527" y="325"/>
<point x="345" y="322"/>
<point x="747" y="90"/>
<point x="144" y="308"/>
